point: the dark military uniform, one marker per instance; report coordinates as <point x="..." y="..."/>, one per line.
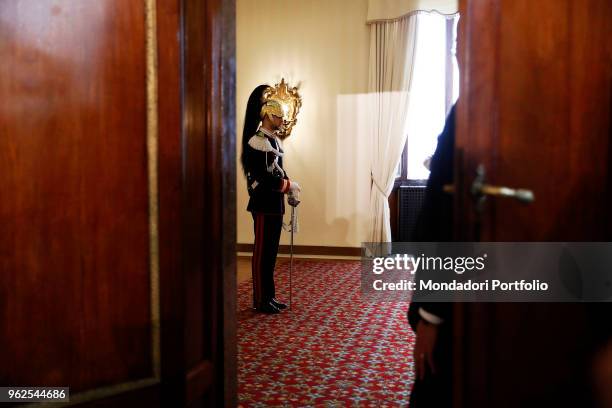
<point x="267" y="183"/>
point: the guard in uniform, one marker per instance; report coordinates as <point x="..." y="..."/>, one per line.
<point x="267" y="183"/>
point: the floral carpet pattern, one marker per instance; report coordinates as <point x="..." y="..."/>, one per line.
<point x="332" y="349"/>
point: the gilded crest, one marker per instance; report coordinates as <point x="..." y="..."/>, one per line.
<point x="290" y="100"/>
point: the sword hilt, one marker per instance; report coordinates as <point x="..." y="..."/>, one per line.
<point x="293" y="202"/>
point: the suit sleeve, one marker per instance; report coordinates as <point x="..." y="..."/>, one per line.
<point x="441" y="310"/>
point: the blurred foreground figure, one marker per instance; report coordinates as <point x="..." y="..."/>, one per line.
<point x="432" y="321"/>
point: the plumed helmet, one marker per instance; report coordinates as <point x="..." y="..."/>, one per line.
<point x="272" y="107"/>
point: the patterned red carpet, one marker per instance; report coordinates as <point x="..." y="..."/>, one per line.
<point x="333" y="349"/>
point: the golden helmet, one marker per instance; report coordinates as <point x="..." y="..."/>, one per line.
<point x="283" y="101"/>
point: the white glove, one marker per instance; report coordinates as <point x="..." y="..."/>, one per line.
<point x="294" y="187"/>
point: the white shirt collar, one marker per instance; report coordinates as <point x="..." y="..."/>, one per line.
<point x="267" y="132"/>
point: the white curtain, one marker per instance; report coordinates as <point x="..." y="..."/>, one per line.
<point x="392" y="48"/>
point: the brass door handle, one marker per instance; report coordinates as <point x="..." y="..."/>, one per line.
<point x="480" y="189"/>
<point x="523" y="195"/>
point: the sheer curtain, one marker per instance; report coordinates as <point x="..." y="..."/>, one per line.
<point x="408" y="89"/>
<point x="392" y="47"/>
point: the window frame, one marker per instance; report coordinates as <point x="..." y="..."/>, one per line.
<point x="402" y="179"/>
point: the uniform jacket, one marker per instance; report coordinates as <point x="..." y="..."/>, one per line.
<point x="267" y="182"/>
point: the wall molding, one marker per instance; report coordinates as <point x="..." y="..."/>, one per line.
<point x="152" y="164"/>
<point x="308" y="250"/>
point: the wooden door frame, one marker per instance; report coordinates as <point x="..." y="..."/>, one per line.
<point x="197" y="201"/>
<point x="208" y="206"/>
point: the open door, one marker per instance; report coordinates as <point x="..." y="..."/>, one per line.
<point x="534" y="114"/>
<point x="117" y="204"/>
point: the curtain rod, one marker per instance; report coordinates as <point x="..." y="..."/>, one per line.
<point x="410" y="14"/>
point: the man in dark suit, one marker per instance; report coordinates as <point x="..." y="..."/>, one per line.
<point x="432" y="322"/>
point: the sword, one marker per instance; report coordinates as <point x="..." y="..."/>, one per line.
<point x="293" y="202"/>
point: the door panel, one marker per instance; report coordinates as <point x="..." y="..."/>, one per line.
<point x="209" y="215"/>
<point x="115" y="131"/>
<point x="535" y="111"/>
<point x="74" y="209"/>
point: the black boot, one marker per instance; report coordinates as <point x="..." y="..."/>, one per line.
<point x="279" y="305"/>
<point x="268" y="308"/>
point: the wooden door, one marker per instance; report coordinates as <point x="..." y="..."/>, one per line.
<point x="209" y="203"/>
<point x="535" y="111"/>
<point x="116" y="264"/>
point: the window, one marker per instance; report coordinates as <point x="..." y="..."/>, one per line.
<point x="434" y="89"/>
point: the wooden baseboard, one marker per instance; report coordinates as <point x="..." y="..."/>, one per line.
<point x="308" y="250"/>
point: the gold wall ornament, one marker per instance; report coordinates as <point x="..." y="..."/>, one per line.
<point x="290" y="100"/>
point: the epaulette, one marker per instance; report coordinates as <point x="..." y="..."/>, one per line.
<point x="260" y="142"/>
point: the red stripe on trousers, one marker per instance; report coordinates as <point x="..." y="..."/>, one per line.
<point x="257" y="252"/>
